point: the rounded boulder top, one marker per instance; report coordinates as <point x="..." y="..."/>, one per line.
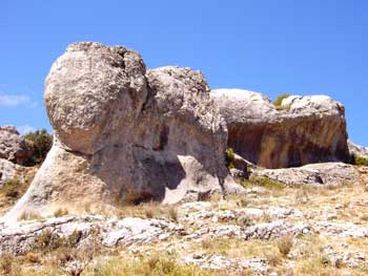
<point x="92" y="90"/>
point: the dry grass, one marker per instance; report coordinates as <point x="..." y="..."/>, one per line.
<point x="150" y="210"/>
<point x="14" y="188"/>
<point x="284" y="244"/>
<point x="60" y="212"/>
<point x="30" y="215"/>
<point x="263" y="182"/>
<point x="7" y="264"/>
<point x="173" y="213"/>
<point x="33" y="257"/>
<point x="158" y="264"/>
<point x="237" y="248"/>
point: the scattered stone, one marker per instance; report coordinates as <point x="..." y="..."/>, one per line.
<point x="320" y="174"/>
<point x="133" y="231"/>
<point x="216" y="262"/>
<point x="341" y="229"/>
<point x="262" y="231"/>
<point x="232" y="215"/>
<point x="339" y="259"/>
<point x="275" y="229"/>
<point x="22" y="237"/>
<point x="195" y="206"/>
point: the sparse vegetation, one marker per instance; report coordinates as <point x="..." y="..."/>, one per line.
<point x="150" y="209"/>
<point x="39" y="142"/>
<point x="284" y="244"/>
<point x="245" y="221"/>
<point x="60" y="212"/>
<point x="359" y="160"/>
<point x="173" y="213"/>
<point x="6" y="264"/>
<point x="30" y="215"/>
<point x="152" y="265"/>
<point x="11" y="188"/>
<point x="48" y="241"/>
<point x="244" y="202"/>
<point x="278" y="101"/>
<point x="33" y="257"/>
<point x="53" y="254"/>
<point x="263" y="182"/>
<point x="216" y="245"/>
<point x="229" y="157"/>
<point x="14" y="188"/>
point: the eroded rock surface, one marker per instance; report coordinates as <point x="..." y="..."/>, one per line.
<point x="12" y="146"/>
<point x="8" y="170"/>
<point x="126" y="135"/>
<point x="22" y="238"/>
<point x="303" y="130"/>
<point x="215" y="262"/>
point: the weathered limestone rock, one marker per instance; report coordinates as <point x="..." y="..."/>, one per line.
<point x="218" y="262"/>
<point x="357" y="150"/>
<point x="124" y="135"/>
<point x="303" y="130"/>
<point x="20" y="238"/>
<point x="8" y="170"/>
<point x="12" y="146"/>
<point x="330" y="174"/>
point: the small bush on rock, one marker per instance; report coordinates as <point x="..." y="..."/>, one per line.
<point x="263" y="182"/>
<point x="359" y="160"/>
<point x="278" y="101"/>
<point x="230" y="156"/>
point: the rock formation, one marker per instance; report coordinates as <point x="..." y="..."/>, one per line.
<point x="357" y="150"/>
<point x="125" y="135"/>
<point x="8" y="170"/>
<point x="12" y="146"/>
<point x="302" y="130"/>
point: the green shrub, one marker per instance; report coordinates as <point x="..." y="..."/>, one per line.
<point x="229" y="157"/>
<point x="10" y="187"/>
<point x="278" y="101"/>
<point x="48" y="241"/>
<point x="359" y="160"/>
<point x="263" y="182"/>
<point x="39" y="142"/>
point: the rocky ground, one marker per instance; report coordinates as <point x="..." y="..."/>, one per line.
<point x="269" y="230"/>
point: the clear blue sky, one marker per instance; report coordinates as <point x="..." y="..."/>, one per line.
<point x="271" y="46"/>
